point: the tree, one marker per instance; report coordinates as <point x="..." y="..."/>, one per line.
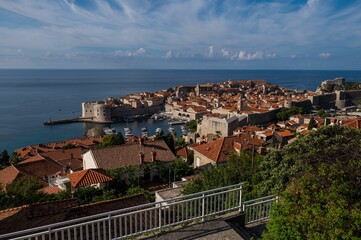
<point x="192" y="125"/>
<point x="112" y="140"/>
<point x="312" y="124"/>
<point x="180" y="142"/>
<point x="316" y="178"/>
<point x="239" y="168"/>
<point x="4" y="158"/>
<point x="322" y="113"/>
<point x="286" y="113"/>
<point x="14" y="158"/>
<point x="87" y="194"/>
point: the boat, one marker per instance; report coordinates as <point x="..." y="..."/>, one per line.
<point x="129" y="119"/>
<point x="127" y="129"/>
<point x="109" y="131"/>
<point x="171" y="130"/>
<point x="175" y="122"/>
<point x="145" y="131"/>
<point x="158" y="130"/>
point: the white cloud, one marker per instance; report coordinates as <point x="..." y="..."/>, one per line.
<point x="168" y="54"/>
<point x="325" y="55"/>
<point x="128" y="53"/>
<point x="210" y="51"/>
<point x="184" y="26"/>
<point x="244" y="56"/>
<point x="224" y="52"/>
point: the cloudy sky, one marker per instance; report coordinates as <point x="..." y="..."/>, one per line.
<point x="200" y="34"/>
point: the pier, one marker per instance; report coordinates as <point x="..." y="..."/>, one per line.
<point x="72" y="120"/>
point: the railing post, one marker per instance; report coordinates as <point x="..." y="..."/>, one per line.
<point x="109" y="227"/>
<point x="160" y="216"/>
<point x="203" y="203"/>
<point x="240" y="198"/>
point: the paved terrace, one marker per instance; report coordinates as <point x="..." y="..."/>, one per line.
<point x="224" y="227"/>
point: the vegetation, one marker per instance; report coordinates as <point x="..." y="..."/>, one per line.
<point x="192" y="125"/>
<point x="286" y="113"/>
<point x="316" y="177"/>
<point x="312" y="124"/>
<point x="26" y="191"/>
<point x="112" y="140"/>
<point x="4" y="159"/>
<point x="352" y="86"/>
<point x="239" y="168"/>
<point x="322" y="113"/>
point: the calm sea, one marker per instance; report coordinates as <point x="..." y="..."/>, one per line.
<point x="29" y="97"/>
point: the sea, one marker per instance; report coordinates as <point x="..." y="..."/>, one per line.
<point x="30" y="97"/>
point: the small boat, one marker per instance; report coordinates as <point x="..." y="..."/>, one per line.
<point x="109" y="131"/>
<point x="127" y="130"/>
<point x="129" y="119"/>
<point x="145" y="131"/>
<point x="171" y="130"/>
<point x="158" y="130"/>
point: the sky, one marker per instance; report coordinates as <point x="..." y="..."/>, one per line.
<point x="180" y="34"/>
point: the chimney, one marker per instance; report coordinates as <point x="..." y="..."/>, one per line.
<point x="71" y="156"/>
<point x="154" y="155"/>
<point x="141" y="141"/>
<point x="141" y="157"/>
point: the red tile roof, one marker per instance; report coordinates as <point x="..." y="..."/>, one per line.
<point x="220" y="149"/>
<point x="8" y="175"/>
<point x="128" y="154"/>
<point x="88" y="177"/>
<point x="182" y="153"/>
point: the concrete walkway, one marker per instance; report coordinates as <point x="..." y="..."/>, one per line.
<point x="211" y="230"/>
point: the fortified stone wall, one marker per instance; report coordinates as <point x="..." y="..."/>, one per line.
<point x="325" y="101"/>
<point x="260" y="118"/>
<point x="354" y="96"/>
<point x="306" y="104"/>
<point x="118" y="113"/>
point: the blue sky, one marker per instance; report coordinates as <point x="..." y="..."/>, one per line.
<point x="188" y="34"/>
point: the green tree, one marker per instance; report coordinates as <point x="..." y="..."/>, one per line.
<point x="322" y="113"/>
<point x="112" y="140"/>
<point x="86" y="194"/>
<point x="286" y="113"/>
<point x="316" y="177"/>
<point x="192" y="125"/>
<point x="14" y="158"/>
<point x="239" y="168"/>
<point x="4" y="158"/>
<point x="180" y="142"/>
<point x="312" y="124"/>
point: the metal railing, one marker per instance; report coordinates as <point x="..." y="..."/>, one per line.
<point x="140" y="219"/>
<point x="258" y="209"/>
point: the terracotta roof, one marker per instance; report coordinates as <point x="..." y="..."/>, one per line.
<point x="8" y="175"/>
<point x="285" y="133"/>
<point x="36" y="215"/>
<point x="220" y="149"/>
<point x="39" y="167"/>
<point x="88" y="177"/>
<point x="182" y="152"/>
<point x="84" y="143"/>
<point x="128" y="154"/>
<point x="51" y="190"/>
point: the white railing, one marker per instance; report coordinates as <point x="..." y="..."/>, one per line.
<point x="140" y="219"/>
<point x="258" y="209"/>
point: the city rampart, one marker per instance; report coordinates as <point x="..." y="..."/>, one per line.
<point x="261" y="118"/>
